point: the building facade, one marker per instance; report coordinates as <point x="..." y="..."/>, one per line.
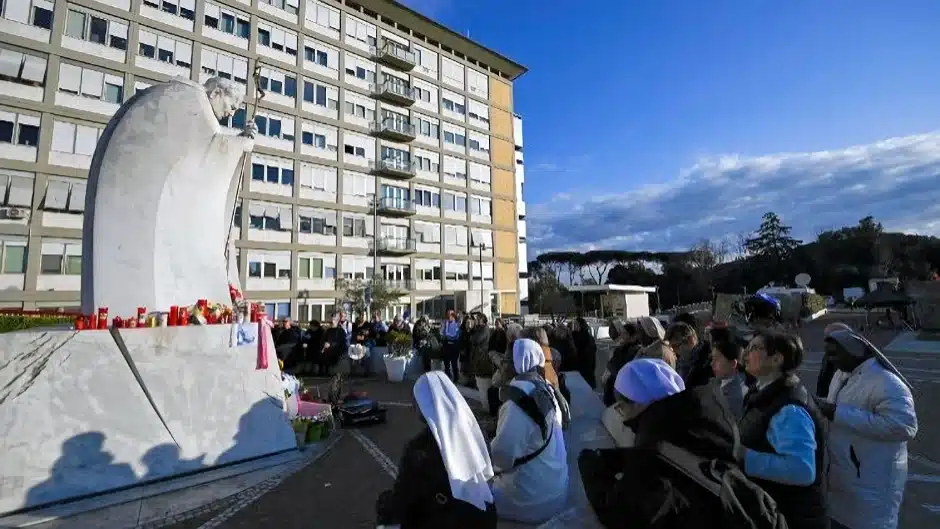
<point x="385" y="141"/>
<point x="520" y="216"/>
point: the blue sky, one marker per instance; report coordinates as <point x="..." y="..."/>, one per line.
<point x="650" y="124"/>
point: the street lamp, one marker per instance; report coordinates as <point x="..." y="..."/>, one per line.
<point x="482" y="247"/>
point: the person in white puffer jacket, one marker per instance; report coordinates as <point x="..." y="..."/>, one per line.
<point x="871" y="411"/>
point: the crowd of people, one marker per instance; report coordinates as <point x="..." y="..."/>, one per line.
<point x="725" y="432"/>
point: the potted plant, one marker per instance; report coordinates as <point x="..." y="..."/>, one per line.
<point x="399" y="353"/>
<point x="300" y="426"/>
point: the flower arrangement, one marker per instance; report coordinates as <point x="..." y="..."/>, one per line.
<point x="311" y="429"/>
<point x="399" y="343"/>
<point x="291" y="385"/>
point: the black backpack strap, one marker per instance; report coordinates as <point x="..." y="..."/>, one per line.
<point x="527" y="404"/>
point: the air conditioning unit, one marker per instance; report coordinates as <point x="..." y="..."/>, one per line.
<point x="16" y="213"/>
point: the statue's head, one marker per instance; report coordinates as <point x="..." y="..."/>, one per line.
<point x="224" y="96"/>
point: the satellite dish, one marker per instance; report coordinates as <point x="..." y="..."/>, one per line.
<point x="802" y="279"/>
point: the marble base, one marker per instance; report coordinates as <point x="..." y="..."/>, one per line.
<point x="77" y="421"/>
<point x="911" y="343"/>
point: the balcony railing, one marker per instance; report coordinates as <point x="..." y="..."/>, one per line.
<point x="398" y="245"/>
<point x="395" y="55"/>
<point x="394" y="129"/>
<point x="396" y="92"/>
<point x="398" y="284"/>
<point x="395" y="168"/>
<point x="396" y="206"/>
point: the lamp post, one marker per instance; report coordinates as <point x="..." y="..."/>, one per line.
<point x="374" y="202"/>
<point x="482" y="247"/>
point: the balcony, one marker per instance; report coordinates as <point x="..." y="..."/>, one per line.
<point x="398" y="93"/>
<point x="395" y="245"/>
<point x="394" y="130"/>
<point x="394" y="168"/>
<point x="393" y="54"/>
<point x="398" y="284"/>
<point x="396" y="207"/>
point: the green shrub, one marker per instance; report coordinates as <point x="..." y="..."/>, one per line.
<point x="813" y="303"/>
<point x="19" y="322"/>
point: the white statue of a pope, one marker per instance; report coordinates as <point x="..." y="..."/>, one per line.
<point x="160" y="199"/>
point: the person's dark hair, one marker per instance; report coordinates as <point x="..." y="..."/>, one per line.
<point x="687" y="318"/>
<point x="786" y="344"/>
<point x="679" y="333"/>
<point x="728" y="348"/>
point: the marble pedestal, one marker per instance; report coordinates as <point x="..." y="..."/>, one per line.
<point x="83" y="414"/>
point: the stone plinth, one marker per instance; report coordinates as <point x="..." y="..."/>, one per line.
<point x="77" y="419"/>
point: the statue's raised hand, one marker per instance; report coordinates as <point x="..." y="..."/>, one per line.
<point x="251" y="129"/>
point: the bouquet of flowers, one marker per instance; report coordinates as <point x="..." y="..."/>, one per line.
<point x="292" y="385"/>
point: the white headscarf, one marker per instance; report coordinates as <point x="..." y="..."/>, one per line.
<point x="648" y="380"/>
<point x="463" y="449"/>
<point x="652" y="327"/>
<point x="527" y="355"/>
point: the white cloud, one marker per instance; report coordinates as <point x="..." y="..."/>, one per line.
<point x="896" y="180"/>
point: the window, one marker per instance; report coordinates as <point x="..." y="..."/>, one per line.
<point x="16" y="189"/>
<point x="479" y="142"/>
<point x="426" y="60"/>
<point x="428" y="232"/>
<point x="278" y="82"/>
<point x="317" y="222"/>
<point x="165" y="49"/>
<point x="454" y="103"/>
<point x="428" y="271"/>
<point x="481" y="238"/>
<point x="227" y="20"/>
<point x="356" y="144"/>
<point x="277" y="38"/>
<point x="481" y="206"/>
<point x="22" y="68"/>
<point x="270" y="217"/>
<point x="455" y="136"/>
<point x="317" y="178"/>
<point x="320" y="137"/>
<point x="217" y="63"/>
<point x="455" y="202"/>
<point x="360" y="68"/>
<point x="321" y="94"/>
<point x="12" y="256"/>
<point x="181" y="8"/>
<point x="61" y="258"/>
<point x="90" y="83"/>
<point x="278" y="311"/>
<point x="427" y="198"/>
<point x="456" y="236"/>
<point x="477" y="83"/>
<point x="19" y="129"/>
<point x="452" y="73"/>
<point x="64" y="196"/>
<point x="321" y="55"/>
<point x="358" y="184"/>
<point x="319" y="14"/>
<point x="390" y="154"/>
<point x="479" y="113"/>
<point x="422" y="94"/>
<point x="356" y="267"/>
<point x="354" y="226"/>
<point x="96" y="28"/>
<point x="269" y="266"/>
<point x="286" y="5"/>
<point x="275" y="126"/>
<point x="311" y="268"/>
<point x="73" y="138"/>
<point x="423" y="163"/>
<point x="36" y="13"/>
<point x="479" y="174"/>
<point x="272" y="170"/>
<point x="359" y="107"/>
<point x="428" y="127"/>
<point x="455" y="168"/>
<point x="360" y="31"/>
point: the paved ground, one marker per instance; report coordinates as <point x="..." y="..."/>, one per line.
<point x="339" y="491"/>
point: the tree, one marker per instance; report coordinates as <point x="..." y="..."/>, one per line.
<point x="353" y="293"/>
<point x="598" y="262"/>
<point x="772" y="242"/>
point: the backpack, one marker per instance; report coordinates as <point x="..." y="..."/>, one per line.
<point x="528" y="405"/>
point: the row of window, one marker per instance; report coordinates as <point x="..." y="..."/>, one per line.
<point x="56" y="257"/>
<point x="277" y="265"/>
<point x="230" y="23"/>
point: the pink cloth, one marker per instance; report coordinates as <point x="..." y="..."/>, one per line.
<point x="311" y="409"/>
<point x="264" y="335"/>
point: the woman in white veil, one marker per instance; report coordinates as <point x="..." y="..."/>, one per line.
<point x="442" y="478"/>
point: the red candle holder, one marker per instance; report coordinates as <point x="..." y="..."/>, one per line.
<point x="173" y="318"/>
